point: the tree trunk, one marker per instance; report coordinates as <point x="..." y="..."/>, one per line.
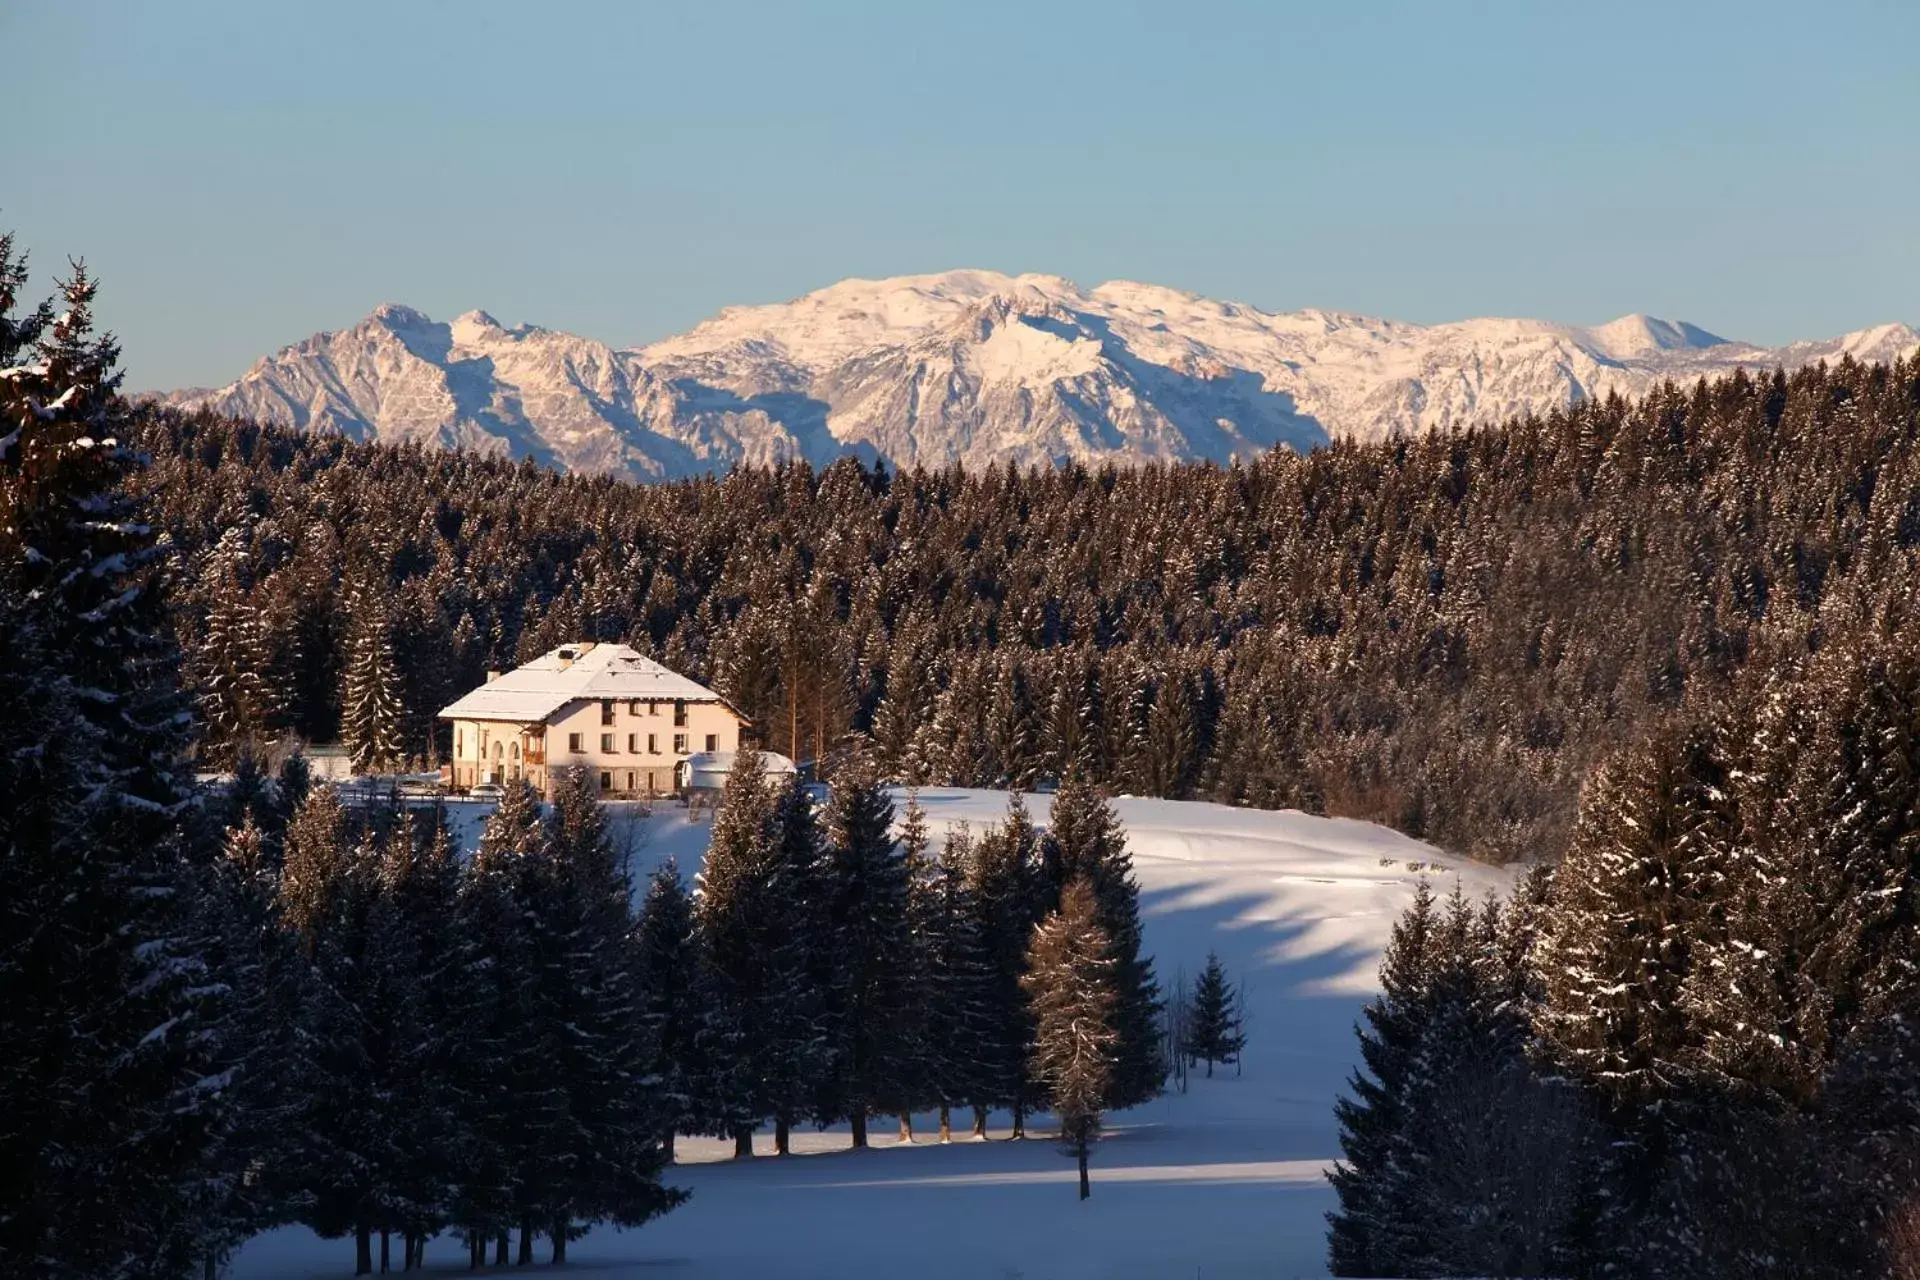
<point x="1086" y="1189"/>
<point x="859" y="1122"/>
<point x="1209" y="1068"/>
<point x="782" y="1135"/>
<point x="209" y="1269"/>
<point x="476" y="1250"/>
<point x="667" y="1146"/>
<point x="362" y="1248"/>
<point x="946" y="1122"/>
<point x="980" y="1123"/>
<point x="500" y="1249"/>
<point x="1019" y="1120"/>
<point x="525" y="1258"/>
<point x="743" y="1144"/>
<point x="906" y="1127"/>
<point x="560" y="1226"/>
<point x="386" y="1250"/>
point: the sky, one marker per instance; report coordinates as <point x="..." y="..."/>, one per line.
<point x="240" y="175"/>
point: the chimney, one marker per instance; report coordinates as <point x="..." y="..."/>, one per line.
<point x="565" y="656"/>
<point x="492" y="676"/>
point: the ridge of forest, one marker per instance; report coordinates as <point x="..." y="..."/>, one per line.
<point x="1444" y="634"/>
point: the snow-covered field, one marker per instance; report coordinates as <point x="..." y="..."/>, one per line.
<point x="1223" y="1181"/>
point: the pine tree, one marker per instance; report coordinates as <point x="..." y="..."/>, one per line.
<point x="1084" y="839"/>
<point x="107" y="1100"/>
<point x="1070" y="983"/>
<point x="1213" y="1035"/>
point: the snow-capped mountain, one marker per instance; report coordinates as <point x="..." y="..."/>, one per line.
<point x="967" y="365"/>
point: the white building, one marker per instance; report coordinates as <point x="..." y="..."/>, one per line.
<point x="627" y="720"/>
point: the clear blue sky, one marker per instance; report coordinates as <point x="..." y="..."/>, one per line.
<point x="242" y="174"/>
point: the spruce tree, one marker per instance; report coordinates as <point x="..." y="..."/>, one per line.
<point x="1373" y="1119"/>
<point x="491" y="999"/>
<point x="870" y="1013"/>
<point x="761" y="1046"/>
<point x="372" y="712"/>
<point x="107" y="1101"/>
<point x="1084" y="839"/>
<point x="960" y="1015"/>
<point x="668" y="970"/>
<point x="1213" y="1034"/>
<point x="1007" y="900"/>
<point x="594" y="1151"/>
<point x="1069" y="981"/>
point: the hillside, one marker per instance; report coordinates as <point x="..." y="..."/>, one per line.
<point x="968" y="366"/>
<point x="1224" y="1181"/>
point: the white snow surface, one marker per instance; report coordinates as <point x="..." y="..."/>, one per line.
<point x="969" y="366"/>
<point x="1226" y="1180"/>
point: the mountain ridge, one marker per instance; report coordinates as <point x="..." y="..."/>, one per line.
<point x="968" y="366"/>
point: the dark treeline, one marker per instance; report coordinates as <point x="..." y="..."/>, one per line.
<point x="1444" y="634"/>
<point x="1690" y="1049"/>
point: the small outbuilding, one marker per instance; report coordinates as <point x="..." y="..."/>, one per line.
<point x="703" y="775"/>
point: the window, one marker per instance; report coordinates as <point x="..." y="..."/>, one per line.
<point x="573" y="743"/>
<point x="679" y="712"/>
<point x="633" y="706"/>
<point x="653" y="708"/>
<point x="713" y="742"/>
<point x="606" y="711"/>
<point x="606" y="781"/>
<point x="653" y="745"/>
<point x="633" y="744"/>
<point x="630" y="785"/>
<point x="680" y="744"/>
<point x="516" y="751"/>
<point x="499" y="751"/>
<point x="459" y="742"/>
<point x="606" y="743"/>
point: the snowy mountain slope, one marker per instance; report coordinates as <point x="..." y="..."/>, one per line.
<point x="1223" y="1181"/>
<point x="968" y="366"/>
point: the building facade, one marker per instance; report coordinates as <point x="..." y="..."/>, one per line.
<point x="628" y="721"/>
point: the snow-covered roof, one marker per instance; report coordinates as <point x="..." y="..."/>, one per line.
<point x="573" y="673"/>
<point x="716" y="765"/>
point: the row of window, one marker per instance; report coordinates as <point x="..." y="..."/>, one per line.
<point x="633" y="744"/>
<point x="633" y="781"/>
<point x="653" y="709"/>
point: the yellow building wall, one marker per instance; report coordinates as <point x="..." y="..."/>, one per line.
<point x="637" y="754"/>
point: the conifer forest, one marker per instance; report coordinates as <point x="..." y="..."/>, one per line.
<point x="1656" y="659"/>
